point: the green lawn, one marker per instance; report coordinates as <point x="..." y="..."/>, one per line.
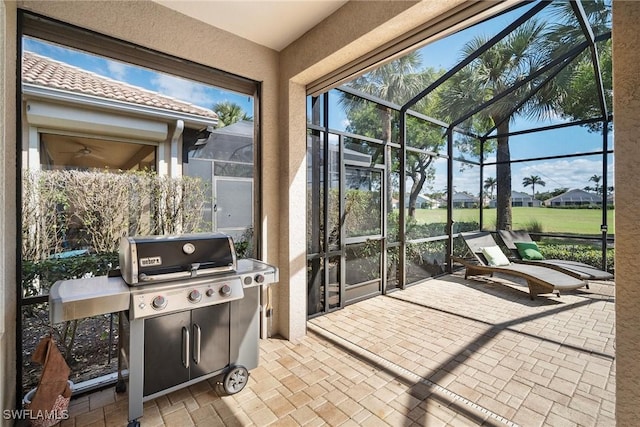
<point x="578" y="221"/>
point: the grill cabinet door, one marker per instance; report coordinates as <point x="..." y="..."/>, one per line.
<point x="210" y="331"/>
<point x="164" y="351"/>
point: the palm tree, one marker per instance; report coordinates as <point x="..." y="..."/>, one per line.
<point x="395" y="82"/>
<point x="229" y="113"/>
<point x="532" y="181"/>
<point x="579" y="99"/>
<point x="490" y="185"/>
<point x="500" y="68"/>
<point x="595" y="179"/>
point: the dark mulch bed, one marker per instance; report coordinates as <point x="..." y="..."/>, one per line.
<point x="90" y="354"/>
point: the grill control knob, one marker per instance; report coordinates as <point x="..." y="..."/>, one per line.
<point x="259" y="278"/>
<point x="209" y="292"/>
<point x="159" y="302"/>
<point x="225" y="290"/>
<point x="195" y="296"/>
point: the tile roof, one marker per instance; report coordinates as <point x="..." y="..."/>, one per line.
<point x="42" y="71"/>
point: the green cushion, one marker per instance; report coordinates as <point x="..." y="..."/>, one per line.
<point x="495" y="256"/>
<point x="529" y="250"/>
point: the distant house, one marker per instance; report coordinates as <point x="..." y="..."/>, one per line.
<point x="422" y="202"/>
<point x="520" y="199"/>
<point x="575" y="197"/>
<point x="463" y="200"/>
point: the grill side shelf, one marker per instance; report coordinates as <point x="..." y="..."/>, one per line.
<point x="79" y="298"/>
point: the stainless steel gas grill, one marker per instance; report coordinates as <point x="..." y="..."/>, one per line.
<point x="189" y="310"/>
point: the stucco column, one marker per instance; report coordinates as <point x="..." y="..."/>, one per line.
<point x="292" y="293"/>
<point x="626" y="107"/>
<point x="8" y="211"/>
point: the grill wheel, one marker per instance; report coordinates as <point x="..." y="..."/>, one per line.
<point x="235" y="379"/>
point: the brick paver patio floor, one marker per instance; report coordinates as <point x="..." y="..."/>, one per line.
<point x="449" y="351"/>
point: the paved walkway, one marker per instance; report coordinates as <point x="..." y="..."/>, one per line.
<point x="448" y="352"/>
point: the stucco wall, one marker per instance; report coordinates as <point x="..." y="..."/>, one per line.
<point x="626" y="107"/>
<point x="7" y="212"/>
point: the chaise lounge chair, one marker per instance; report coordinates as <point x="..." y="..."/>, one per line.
<point x="513" y="239"/>
<point x="487" y="260"/>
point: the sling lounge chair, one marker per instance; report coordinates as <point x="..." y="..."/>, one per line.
<point x="540" y="279"/>
<point x="512" y="239"/>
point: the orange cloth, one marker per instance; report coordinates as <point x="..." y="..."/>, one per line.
<point x="54" y="380"/>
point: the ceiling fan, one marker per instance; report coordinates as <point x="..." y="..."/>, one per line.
<point x="84" y="152"/>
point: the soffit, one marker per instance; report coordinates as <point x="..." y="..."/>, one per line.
<point x="270" y="23"/>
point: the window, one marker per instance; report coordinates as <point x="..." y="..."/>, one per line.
<point x="109" y="133"/>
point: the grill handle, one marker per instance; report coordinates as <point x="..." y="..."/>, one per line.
<point x="185" y="347"/>
<point x="143" y="277"/>
<point x="196" y="343"/>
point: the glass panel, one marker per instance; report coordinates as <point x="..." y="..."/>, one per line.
<point x="315" y="286"/>
<point x="92" y="348"/>
<point x="393" y="268"/>
<point x="555" y="142"/>
<point x="363" y="153"/>
<point x="363" y="262"/>
<point x="430" y="215"/>
<point x="393" y="214"/>
<point x="466" y="201"/>
<point x="489" y="187"/>
<point x="233" y="169"/>
<point x="425" y="260"/>
<point x="572" y="185"/>
<point x="233" y="143"/>
<point x="425" y="136"/>
<point x="422" y="219"/>
<point x="606" y="67"/>
<point x="202" y="169"/>
<point x="334" y="193"/>
<point x="610" y="189"/>
<point x="315" y="192"/>
<point x="364" y="117"/>
<point x="363" y="202"/>
<point x="315" y="110"/>
<point x="334" y="281"/>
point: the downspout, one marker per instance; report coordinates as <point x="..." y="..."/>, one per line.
<point x="175" y="139"/>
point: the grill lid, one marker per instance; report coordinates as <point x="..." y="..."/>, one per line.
<point x="145" y="259"/>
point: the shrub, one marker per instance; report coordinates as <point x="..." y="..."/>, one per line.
<point x="66" y="209"/>
<point x="533" y="226"/>
<point x="581" y="253"/>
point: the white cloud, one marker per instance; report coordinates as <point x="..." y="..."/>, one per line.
<point x="185" y="90"/>
<point x="117" y="70"/>
<point x="570" y="173"/>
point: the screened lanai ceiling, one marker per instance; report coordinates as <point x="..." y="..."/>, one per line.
<point x="548" y="62"/>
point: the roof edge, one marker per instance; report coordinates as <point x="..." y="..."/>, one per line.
<point x="30" y="89"/>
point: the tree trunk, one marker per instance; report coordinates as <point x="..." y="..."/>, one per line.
<point x="503" y="176"/>
<point x="421" y="172"/>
